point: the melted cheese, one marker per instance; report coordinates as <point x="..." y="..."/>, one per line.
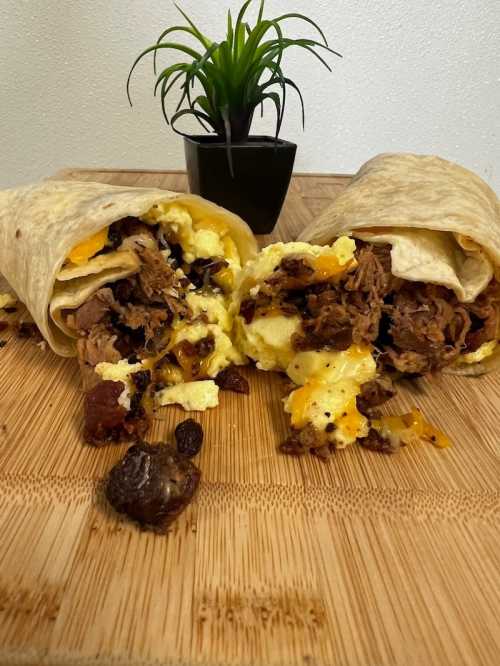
<point x="323" y="405"/>
<point x="410" y="428"/>
<point x="200" y="239"/>
<point x="89" y="248"/>
<point x="224" y="354"/>
<point x="170" y="374"/>
<point x="331" y="382"/>
<point x="332" y="260"/>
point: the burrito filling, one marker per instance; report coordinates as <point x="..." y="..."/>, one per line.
<point x="324" y="319"/>
<point x="165" y="323"/>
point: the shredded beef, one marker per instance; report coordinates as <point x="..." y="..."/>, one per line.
<point x="418" y="327"/>
<point x="201" y="271"/>
<point x="247" y="310"/>
<point x="308" y="439"/>
<point x="375" y="393"/>
<point x="292" y="445"/>
<point x="155" y="276"/>
<point x="141" y="380"/>
<point x="123" y="290"/>
<point x="376" y="442"/>
<point x="93" y="311"/>
<point x="338" y="315"/>
<point x="428" y="327"/>
<point x="98" y="347"/>
<point x="205" y="346"/>
<point x="150" y="319"/>
<point x="27" y="329"/>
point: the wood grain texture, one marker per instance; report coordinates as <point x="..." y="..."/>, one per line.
<point x="368" y="560"/>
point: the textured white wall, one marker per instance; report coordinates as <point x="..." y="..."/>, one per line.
<point x="421" y="76"/>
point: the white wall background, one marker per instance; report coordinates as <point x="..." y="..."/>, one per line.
<point x="422" y="76"/>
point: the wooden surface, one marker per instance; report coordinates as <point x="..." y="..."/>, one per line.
<point x="368" y="560"/>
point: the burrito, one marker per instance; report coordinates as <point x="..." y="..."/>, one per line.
<point x="135" y="282"/>
<point x="399" y="277"/>
<point x="427" y="236"/>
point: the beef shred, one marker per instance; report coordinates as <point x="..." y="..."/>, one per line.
<point x="375" y="393"/>
<point x="376" y="442"/>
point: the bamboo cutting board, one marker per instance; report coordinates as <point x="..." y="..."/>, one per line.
<point x="368" y="560"/>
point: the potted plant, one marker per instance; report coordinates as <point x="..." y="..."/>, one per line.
<point x="221" y="85"/>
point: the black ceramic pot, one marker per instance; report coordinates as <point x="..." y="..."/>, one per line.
<point x="262" y="171"/>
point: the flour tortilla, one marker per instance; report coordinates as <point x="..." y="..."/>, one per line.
<point x="41" y="223"/>
<point x="442" y="221"/>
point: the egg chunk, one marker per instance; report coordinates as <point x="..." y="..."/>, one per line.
<point x="328" y="261"/>
<point x="191" y="396"/>
<point x="330" y="383"/>
<point x="212" y="306"/>
<point x="199" y="239"/>
<point x="268" y="339"/>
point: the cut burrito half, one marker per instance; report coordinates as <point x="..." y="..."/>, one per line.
<point x="427" y="238"/>
<point x="398" y="277"/>
<point x="133" y="281"/>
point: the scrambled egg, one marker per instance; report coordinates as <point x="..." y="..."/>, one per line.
<point x="267" y="340"/>
<point x="328" y="260"/>
<point x="330" y="382"/>
<point x="118" y="372"/>
<point x="192" y="396"/>
<point x="213" y="306"/>
<point x="199" y="239"/>
<point x="7" y="301"/>
<point x="224" y="354"/>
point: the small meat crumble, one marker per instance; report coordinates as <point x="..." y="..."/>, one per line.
<point x="152" y="485"/>
<point x="230" y="379"/>
<point x="377" y="442"/>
